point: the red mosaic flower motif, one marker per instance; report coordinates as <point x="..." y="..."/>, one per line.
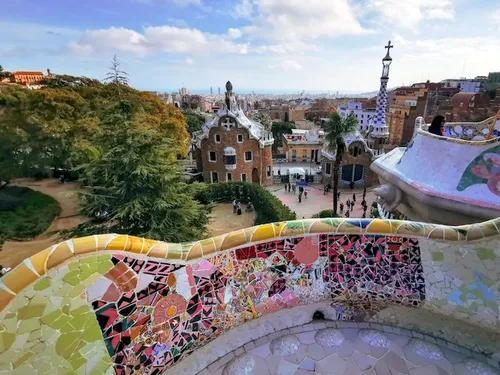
<point x="168" y="307"/>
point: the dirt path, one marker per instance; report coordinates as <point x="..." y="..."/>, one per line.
<point x="14" y="252"/>
<point x="222" y="220"/>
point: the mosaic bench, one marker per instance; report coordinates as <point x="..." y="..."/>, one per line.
<point x="119" y="304"/>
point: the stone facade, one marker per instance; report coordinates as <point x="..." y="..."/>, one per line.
<point x="363" y="158"/>
<point x="231" y="147"/>
<point x="261" y="157"/>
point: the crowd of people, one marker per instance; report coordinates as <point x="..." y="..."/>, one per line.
<point x="292" y="188"/>
<point x="237" y="207"/>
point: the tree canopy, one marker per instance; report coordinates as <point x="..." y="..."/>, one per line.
<point x="57" y="126"/>
<point x="336" y="128"/>
<point x="280" y="128"/>
<point x="194" y="121"/>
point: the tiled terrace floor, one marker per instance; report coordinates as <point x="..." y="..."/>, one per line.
<point x="347" y="352"/>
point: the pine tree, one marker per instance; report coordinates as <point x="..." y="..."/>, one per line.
<point x="136" y="187"/>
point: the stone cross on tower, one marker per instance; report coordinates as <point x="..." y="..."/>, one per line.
<point x="389" y="46"/>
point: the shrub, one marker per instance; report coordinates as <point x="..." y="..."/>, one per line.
<point x="268" y="208"/>
<point x="324" y="214"/>
<point x="25" y="213"/>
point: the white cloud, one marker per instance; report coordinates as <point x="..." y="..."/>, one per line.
<point x="496" y="16"/>
<point x="286" y="48"/>
<point x="286" y="65"/>
<point x="169" y="39"/>
<point x="234" y="33"/>
<point x="409" y="13"/>
<point x="244" y="9"/>
<point x="189" y="61"/>
<point x="299" y="19"/>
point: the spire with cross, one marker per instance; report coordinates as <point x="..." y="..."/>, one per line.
<point x="388" y="47"/>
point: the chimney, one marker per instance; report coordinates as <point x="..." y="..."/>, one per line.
<point x="49" y="74"/>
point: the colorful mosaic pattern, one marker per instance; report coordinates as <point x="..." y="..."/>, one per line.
<point x="153" y="314"/>
<point x="486" y="129"/>
<point x="484" y="169"/>
<point x="139" y="306"/>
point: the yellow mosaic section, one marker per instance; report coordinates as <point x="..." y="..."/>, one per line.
<point x="32" y="268"/>
<point x="51" y="329"/>
<point x="485" y="124"/>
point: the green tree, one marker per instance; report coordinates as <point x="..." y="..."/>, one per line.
<point x="135" y="185"/>
<point x="278" y="129"/>
<point x="194" y="121"/>
<point x="336" y="128"/>
<point x="264" y="118"/>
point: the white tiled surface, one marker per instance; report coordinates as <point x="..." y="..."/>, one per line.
<point x="356" y="355"/>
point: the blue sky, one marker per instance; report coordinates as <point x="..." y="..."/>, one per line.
<point x="285" y="45"/>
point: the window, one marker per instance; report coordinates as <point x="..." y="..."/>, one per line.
<point x="230" y="158"/>
<point x="214" y="176"/>
<point x="229" y="177"/>
<point x="294" y="154"/>
<point x="268" y="171"/>
<point x="248" y="156"/>
<point x="328" y="168"/>
<point x="217" y="138"/>
<point x="361" y="121"/>
<point x="244" y="177"/>
<point x="212" y="157"/>
<point x="240" y="138"/>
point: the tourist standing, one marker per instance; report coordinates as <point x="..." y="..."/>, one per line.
<point x="300" y="197"/>
<point x="238" y="208"/>
<point x="293" y="188"/>
<point x="347" y="213"/>
<point x="338" y="195"/>
<point x="354" y="198"/>
<point x="286" y="188"/>
<point x="289" y="188"/>
<point x="341" y="207"/>
<point x="348" y="204"/>
<point x="235" y="203"/>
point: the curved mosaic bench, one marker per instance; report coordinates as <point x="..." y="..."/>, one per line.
<point x="121" y="304"/>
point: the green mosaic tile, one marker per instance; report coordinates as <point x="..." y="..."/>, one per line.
<point x="30" y="311"/>
<point x="484" y="253"/>
<point x="29" y="325"/>
<point x="101" y="367"/>
<point x="18" y="362"/>
<point x="6" y="340"/>
<point x="72" y="277"/>
<point x="92" y="333"/>
<point x="437" y="256"/>
<point x="43" y="284"/>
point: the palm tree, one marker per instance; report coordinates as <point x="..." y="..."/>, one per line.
<point x="336" y="128"/>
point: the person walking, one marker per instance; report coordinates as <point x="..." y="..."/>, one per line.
<point x="234" y="206"/>
<point x="341" y="207"/>
<point x="354" y="198"/>
<point x="293" y="188"/>
<point x="348" y="204"/>
<point x="238" y="208"/>
<point x="347" y="213"/>
<point x="286" y="188"/>
<point x="364" y="193"/>
<point x="305" y="194"/>
<point x="289" y="186"/>
<point x="338" y="195"/>
<point x="300" y="197"/>
<point x="325" y="190"/>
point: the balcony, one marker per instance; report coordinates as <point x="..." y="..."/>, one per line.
<point x="318" y="294"/>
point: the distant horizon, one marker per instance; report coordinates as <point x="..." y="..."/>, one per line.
<point x="244" y="91"/>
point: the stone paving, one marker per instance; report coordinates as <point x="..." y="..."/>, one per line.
<point x="346" y="351"/>
<point x="316" y="201"/>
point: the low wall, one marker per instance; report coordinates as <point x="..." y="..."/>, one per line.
<point x="118" y="304"/>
